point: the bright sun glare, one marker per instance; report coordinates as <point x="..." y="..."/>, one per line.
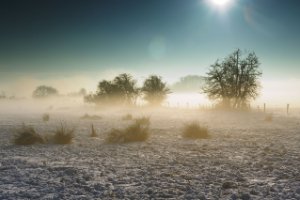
<point x="220" y="2"/>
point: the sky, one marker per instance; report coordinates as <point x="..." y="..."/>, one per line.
<point x="76" y="43"/>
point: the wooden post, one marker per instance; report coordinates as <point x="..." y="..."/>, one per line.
<point x="287" y="108"/>
<point x="264" y="107"/>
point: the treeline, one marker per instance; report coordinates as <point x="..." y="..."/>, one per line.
<point x="123" y="90"/>
<point x="231" y="83"/>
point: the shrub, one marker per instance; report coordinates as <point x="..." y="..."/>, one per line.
<point x="94" y="117"/>
<point x="269" y="118"/>
<point x="63" y="135"/>
<point x="46" y="117"/>
<point x="27" y="136"/>
<point x="93" y="131"/>
<point x="136" y="132"/>
<point x="143" y="121"/>
<point x="195" y="131"/>
<point x="127" y="117"/>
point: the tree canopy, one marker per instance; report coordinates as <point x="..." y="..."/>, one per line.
<point x="44" y="91"/>
<point x="189" y="83"/>
<point x="234" y="81"/>
<point x="122" y="89"/>
<point x="155" y="91"/>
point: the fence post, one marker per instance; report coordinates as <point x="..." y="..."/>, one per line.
<point x="264" y="107"/>
<point x="287" y="108"/>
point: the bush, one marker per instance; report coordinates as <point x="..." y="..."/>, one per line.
<point x="127" y="117"/>
<point x="143" y="121"/>
<point x="46" y="117"/>
<point x="27" y="136"/>
<point x="63" y="135"/>
<point x="195" y="131"/>
<point x="136" y="132"/>
<point x="269" y="118"/>
<point x="93" y="131"/>
<point x="94" y="117"/>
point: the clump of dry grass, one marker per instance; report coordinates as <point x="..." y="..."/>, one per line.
<point x="63" y="135"/>
<point x="143" y="121"/>
<point x="136" y="132"/>
<point x="93" y="131"/>
<point x="127" y="117"/>
<point x="268" y="118"/>
<point x="94" y="117"/>
<point x="27" y="136"/>
<point x="193" y="130"/>
<point x="46" y="117"/>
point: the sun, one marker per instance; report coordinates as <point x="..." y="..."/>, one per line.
<point x="220" y="2"/>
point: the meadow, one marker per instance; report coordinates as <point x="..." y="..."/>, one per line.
<point x="248" y="155"/>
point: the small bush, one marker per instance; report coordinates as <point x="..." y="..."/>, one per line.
<point x="46" y="117"/>
<point x="269" y="118"/>
<point x="136" y="132"/>
<point x="127" y="117"/>
<point x="63" y="135"/>
<point x="94" y="117"/>
<point x="27" y="136"/>
<point x="143" y="121"/>
<point x="93" y="131"/>
<point x="195" y="131"/>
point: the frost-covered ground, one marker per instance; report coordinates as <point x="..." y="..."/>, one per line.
<point x="246" y="157"/>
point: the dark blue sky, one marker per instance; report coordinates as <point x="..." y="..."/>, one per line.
<point x="169" y="37"/>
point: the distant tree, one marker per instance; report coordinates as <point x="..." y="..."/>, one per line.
<point x="126" y="86"/>
<point x="154" y="90"/>
<point x="235" y="81"/>
<point x="44" y="91"/>
<point x="2" y="95"/>
<point x="122" y="89"/>
<point x="82" y="92"/>
<point x="189" y="83"/>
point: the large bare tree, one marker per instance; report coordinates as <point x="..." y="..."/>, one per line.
<point x="234" y="81"/>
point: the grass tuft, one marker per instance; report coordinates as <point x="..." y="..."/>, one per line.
<point x="93" y="117"/>
<point x="268" y="118"/>
<point x="195" y="131"/>
<point x="143" y="121"/>
<point x="136" y="132"/>
<point x="46" y="117"/>
<point x="127" y="117"/>
<point x="93" y="131"/>
<point x="63" y="135"/>
<point x="27" y="136"/>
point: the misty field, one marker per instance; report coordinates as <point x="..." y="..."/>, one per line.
<point x="244" y="157"/>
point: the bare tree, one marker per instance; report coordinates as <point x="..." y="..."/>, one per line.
<point x="234" y="81"/>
